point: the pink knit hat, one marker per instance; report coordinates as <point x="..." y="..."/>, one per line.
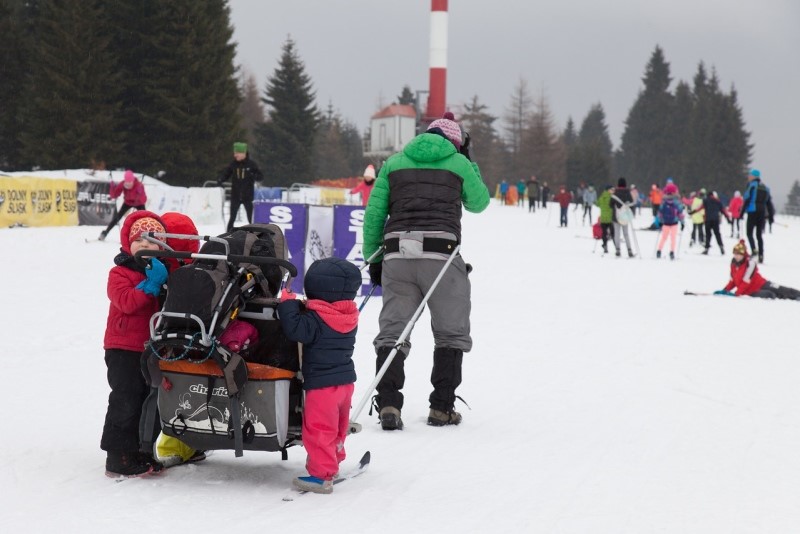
<point x="129" y="177"/>
<point x="449" y="127"/>
<point x="670" y="189"/>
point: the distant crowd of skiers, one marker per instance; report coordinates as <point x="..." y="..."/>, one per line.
<point x="705" y="210"/>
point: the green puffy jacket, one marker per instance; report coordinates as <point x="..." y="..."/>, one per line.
<point x="606" y="211"/>
<point x="416" y="187"/>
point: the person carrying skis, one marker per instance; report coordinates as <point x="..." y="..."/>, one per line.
<point x="421" y="191"/>
<point x="327" y="326"/>
<point x="746" y="279"/>
<point x="133" y="196"/>
<point x="243" y="174"/>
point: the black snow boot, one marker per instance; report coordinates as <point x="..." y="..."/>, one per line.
<point x="127" y="465"/>
<point x="389" y="398"/>
<point x="445" y="377"/>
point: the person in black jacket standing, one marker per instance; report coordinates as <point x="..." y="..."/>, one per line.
<point x="713" y="208"/>
<point x="243" y="174"/>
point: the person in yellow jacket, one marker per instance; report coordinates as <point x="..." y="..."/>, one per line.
<point x="698" y="214"/>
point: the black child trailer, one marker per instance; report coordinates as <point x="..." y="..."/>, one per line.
<point x="206" y="390"/>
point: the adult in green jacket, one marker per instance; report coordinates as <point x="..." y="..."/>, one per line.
<point x="414" y="211"/>
<point x="606" y="215"/>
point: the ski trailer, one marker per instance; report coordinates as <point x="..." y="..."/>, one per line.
<point x="222" y="373"/>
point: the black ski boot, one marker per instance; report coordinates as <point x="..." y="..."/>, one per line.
<point x="445" y="377"/>
<point x="127" y="465"/>
<point x="389" y="399"/>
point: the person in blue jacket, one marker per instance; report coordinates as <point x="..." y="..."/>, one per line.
<point x="757" y="204"/>
<point x="326" y="326"/>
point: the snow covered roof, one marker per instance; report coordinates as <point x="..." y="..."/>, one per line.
<point x="395" y="110"/>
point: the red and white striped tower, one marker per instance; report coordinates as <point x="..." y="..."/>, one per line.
<point x="437" y="86"/>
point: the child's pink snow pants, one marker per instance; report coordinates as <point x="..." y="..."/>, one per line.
<point x="326" y="419"/>
<point x="668" y="231"/>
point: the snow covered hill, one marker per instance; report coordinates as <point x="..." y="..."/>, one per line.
<point x="602" y="400"/>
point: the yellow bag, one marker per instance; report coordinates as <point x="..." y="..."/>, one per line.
<point x="172" y="451"/>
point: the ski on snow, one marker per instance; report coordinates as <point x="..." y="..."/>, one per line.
<point x="362" y="466"/>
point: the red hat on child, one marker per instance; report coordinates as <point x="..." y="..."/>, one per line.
<point x="740" y="248"/>
<point x="145" y="224"/>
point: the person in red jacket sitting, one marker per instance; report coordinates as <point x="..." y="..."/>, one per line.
<point x="133" y="290"/>
<point x="133" y="196"/>
<point x="748" y="281"/>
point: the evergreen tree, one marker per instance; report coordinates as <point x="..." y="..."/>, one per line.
<point x="574" y="170"/>
<point x="595" y="148"/>
<point x="680" y="128"/>
<point x="181" y="96"/>
<point x="793" y="202"/>
<point x="646" y="149"/>
<point x="15" y="49"/>
<point x="72" y="102"/>
<point x="250" y="108"/>
<point x="486" y="146"/>
<point x="737" y="151"/>
<point x="338" y="151"/>
<point x="718" y="152"/>
<point x="407" y="97"/>
<point x="285" y="141"/>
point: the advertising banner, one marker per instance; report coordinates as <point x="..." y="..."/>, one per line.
<point x="95" y="206"/>
<point x="292" y="220"/>
<point x="31" y="201"/>
<point x="319" y="237"/>
<point x="348" y="223"/>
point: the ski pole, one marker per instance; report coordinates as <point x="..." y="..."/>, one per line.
<point x="655" y="245"/>
<point x="356" y="427"/>
<point x="366" y="299"/>
<point x="636" y="241"/>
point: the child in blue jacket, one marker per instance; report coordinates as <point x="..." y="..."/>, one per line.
<point x="326" y="326"/>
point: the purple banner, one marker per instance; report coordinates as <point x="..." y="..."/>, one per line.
<point x="348" y="222"/>
<point x="292" y="219"/>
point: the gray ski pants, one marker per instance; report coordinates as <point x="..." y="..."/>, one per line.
<point x="405" y="282"/>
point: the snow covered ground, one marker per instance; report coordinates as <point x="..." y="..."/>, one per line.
<point x="602" y="400"/>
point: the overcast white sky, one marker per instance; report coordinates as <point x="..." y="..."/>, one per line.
<point x="360" y="54"/>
